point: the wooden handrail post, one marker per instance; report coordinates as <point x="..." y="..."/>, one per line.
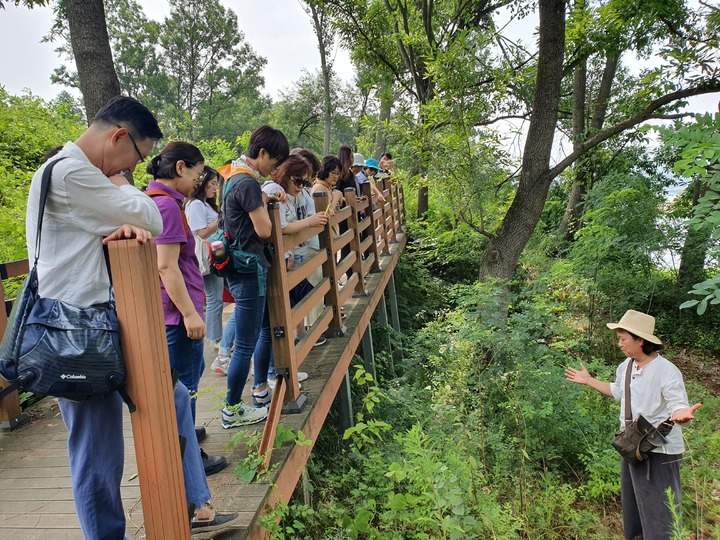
<point x="391" y="231"/>
<point x="144" y="345"/>
<point x="401" y="194"/>
<point x="329" y="268"/>
<point x="11" y="416"/>
<point x="353" y="223"/>
<point x="397" y="215"/>
<point x="383" y="222"/>
<point x="367" y="191"/>
<point x="279" y="310"/>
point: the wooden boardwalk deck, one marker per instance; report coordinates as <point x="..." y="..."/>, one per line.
<point x="36" y="499"/>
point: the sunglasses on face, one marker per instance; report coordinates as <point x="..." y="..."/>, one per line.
<point x="299" y="182"/>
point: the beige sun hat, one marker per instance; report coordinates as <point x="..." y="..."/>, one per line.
<point x="640" y="324"/>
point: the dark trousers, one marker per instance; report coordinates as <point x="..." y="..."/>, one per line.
<point x="642" y="493"/>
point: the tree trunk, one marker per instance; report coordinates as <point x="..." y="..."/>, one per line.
<point x="572" y="220"/>
<point x="385" y="110"/>
<point x="694" y="251"/>
<point x="325" y="69"/>
<point x="503" y="251"/>
<point x="93" y="58"/>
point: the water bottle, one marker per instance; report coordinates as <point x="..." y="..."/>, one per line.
<point x="218" y="251"/>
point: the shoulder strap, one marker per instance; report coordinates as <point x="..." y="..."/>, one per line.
<point x="44" y="190"/>
<point x="160" y="193"/>
<point x="628" y="409"/>
<point x="233" y="181"/>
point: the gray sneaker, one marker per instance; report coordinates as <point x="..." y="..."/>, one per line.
<point x="242" y="415"/>
<point x="220" y="365"/>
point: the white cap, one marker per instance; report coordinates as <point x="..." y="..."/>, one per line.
<point x="358" y="160"/>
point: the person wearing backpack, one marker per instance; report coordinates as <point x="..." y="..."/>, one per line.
<point x="247" y="226"/>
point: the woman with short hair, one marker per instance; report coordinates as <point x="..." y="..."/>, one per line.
<point x="658" y="393"/>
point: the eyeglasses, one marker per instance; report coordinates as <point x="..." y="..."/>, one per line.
<point x="141" y="158"/>
<point x="299" y="182"/>
<point x="200" y="174"/>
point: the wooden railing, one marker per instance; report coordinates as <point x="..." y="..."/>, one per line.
<point x="370" y="228"/>
<point x="11" y="415"/>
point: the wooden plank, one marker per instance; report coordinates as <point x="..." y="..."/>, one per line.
<point x="268" y="437"/>
<point x="346" y="263"/>
<point x="307" y="342"/>
<point x="308" y="266"/>
<point x="144" y="343"/>
<point x="302" y="308"/>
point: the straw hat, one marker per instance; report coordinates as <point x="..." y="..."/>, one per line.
<point x="640" y="324"/>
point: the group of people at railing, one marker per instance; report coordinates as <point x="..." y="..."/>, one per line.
<point x="91" y="198"/>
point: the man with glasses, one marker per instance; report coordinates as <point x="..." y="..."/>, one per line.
<point x="90" y="198"/>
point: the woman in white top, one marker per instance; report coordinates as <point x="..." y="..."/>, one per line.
<point x="202" y="214"/>
<point x="658" y="393"/>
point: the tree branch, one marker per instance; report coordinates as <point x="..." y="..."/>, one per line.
<point x="647" y="113"/>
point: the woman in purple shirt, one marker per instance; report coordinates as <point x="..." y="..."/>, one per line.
<point x="176" y="170"/>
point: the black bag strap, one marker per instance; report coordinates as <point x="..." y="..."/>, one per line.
<point x="628" y="409"/>
<point x="44" y="189"/>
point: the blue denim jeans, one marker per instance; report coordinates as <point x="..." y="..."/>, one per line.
<point x="264" y="361"/>
<point x="213" y="306"/>
<point x="96" y="454"/>
<point x="228" y="337"/>
<point x="187" y="358"/>
<point x="249" y="311"/>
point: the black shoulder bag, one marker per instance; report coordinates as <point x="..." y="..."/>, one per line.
<point x="56" y="349"/>
<point x="639" y="436"/>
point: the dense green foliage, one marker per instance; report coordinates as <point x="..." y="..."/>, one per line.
<point x="478" y="435"/>
<point x="29" y="128"/>
<point x="475" y="433"/>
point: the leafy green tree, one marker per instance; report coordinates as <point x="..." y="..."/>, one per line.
<point x="208" y="64"/>
<point x="29" y="128"/>
<point x="299" y="113"/>
<point x="698" y="145"/>
<point x="691" y="72"/>
<point x="199" y="82"/>
<point x="415" y="43"/>
<point x="325" y="37"/>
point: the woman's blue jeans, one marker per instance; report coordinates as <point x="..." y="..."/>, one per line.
<point x="249" y="312"/>
<point x="213" y="306"/>
<point x="187" y="358"/>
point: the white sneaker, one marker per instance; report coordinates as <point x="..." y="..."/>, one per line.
<point x="242" y="415"/>
<point x="303" y="376"/>
<point x="271" y="382"/>
<point x="220" y="365"/>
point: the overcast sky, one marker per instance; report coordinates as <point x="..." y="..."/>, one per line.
<point x="289" y="44"/>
